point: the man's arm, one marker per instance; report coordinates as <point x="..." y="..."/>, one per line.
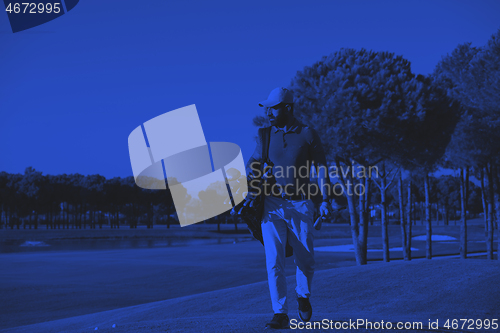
<point x="317" y="155"/>
<point x="252" y="166"/>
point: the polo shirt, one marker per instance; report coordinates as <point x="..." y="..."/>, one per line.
<point x="293" y="151"/>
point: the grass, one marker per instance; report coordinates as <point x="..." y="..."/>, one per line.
<point x="86" y="288"/>
<point x="414" y="292"/>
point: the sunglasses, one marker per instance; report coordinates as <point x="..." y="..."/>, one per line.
<point x="276" y="107"/>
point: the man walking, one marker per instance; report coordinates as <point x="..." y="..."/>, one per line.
<point x="288" y="210"/>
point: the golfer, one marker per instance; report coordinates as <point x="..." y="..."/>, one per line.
<point x="289" y="213"/>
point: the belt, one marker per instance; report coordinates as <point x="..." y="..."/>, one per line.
<point x="291" y="197"/>
<point x="283" y="194"/>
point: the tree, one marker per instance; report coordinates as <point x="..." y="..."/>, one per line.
<point x="475" y="143"/>
<point x="483" y="85"/>
<point x="448" y="188"/>
<point x="427" y="138"/>
<point x="29" y="187"/>
<point x="354" y="99"/>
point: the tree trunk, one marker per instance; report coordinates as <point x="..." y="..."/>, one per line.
<point x="401" y="215"/>
<point x="74" y="215"/>
<point x="428" y="238"/>
<point x="496" y="183"/>
<point x="7" y="218"/>
<point x="385" y="235"/>
<point x="66" y="215"/>
<point x="85" y="216"/>
<point x="11" y="220"/>
<point x="408" y="213"/>
<point x="446" y="215"/>
<point x="421" y="208"/>
<point x="358" y="253"/>
<point x="368" y="198"/>
<point x="82" y="217"/>
<point x="363" y="218"/>
<point x="414" y="212"/>
<point x="496" y="187"/>
<point x="489" y="240"/>
<point x="485" y="205"/>
<point x="464" y="180"/>
<point x="353" y="214"/>
<point x="437" y="213"/>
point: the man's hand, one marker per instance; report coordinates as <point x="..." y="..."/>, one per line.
<point x="248" y="203"/>
<point x="324" y="211"/>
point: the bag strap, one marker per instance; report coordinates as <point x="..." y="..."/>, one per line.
<point x="266" y="139"/>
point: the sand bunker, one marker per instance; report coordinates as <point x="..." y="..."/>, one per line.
<point x="350" y="248"/>
<point x="435" y="238"/>
<point x="34" y="243"/>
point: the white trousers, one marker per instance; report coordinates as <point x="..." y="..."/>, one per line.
<point x="292" y="219"/>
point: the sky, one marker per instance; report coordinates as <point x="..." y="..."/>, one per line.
<point x="73" y="89"/>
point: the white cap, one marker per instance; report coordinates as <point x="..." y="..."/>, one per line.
<point x="277" y="96"/>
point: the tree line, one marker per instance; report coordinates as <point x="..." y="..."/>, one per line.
<point x="77" y="201"/>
